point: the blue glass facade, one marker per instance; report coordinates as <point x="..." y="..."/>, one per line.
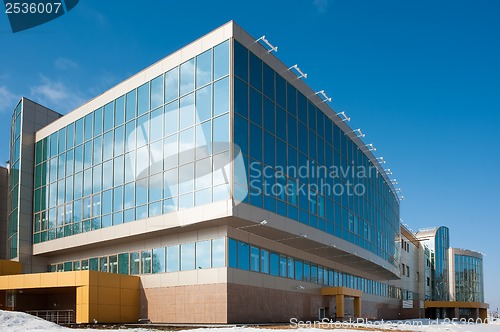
<point x="281" y="134"/>
<point x="15" y="164"/>
<point x="468" y="278"/>
<point x="440" y="289"/>
<point x="138" y="156"/>
<point x="245" y="256"/>
<point x="204" y="254"/>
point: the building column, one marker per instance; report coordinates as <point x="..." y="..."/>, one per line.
<point x="483" y="314"/>
<point x="340" y="306"/>
<point x="357" y="307"/>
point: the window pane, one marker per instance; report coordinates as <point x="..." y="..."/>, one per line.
<point x="240" y="61"/>
<point x="187" y="112"/>
<point x="93" y="264"/>
<point x="146" y="261"/>
<point x="203" y="104"/>
<point x="123" y="263"/>
<point x="113" y="264"/>
<point x="143" y="99"/>
<point x="134" y="263"/>
<point x="172" y="258"/>
<point x="70" y="136"/>
<point x="275" y="264"/>
<point x="88" y="126"/>
<point x="255" y="72"/>
<point x="218" y="252"/>
<point x="119" y="111"/>
<point x="203" y="255"/>
<point x="243" y="256"/>
<point x="204" y="68"/>
<point x="108" y="145"/>
<point x="233" y="253"/>
<point x="221" y="133"/>
<point x="172" y="84"/>
<point x="264" y="261"/>
<point x="79" y="132"/>
<point x="155" y="187"/>
<point x="119" y="138"/>
<point x="118" y="172"/>
<point x="158" y="260"/>
<point x="187" y="77"/>
<point x="109" y="115"/>
<point x="156" y="125"/>
<point x="103" y="264"/>
<point x="283" y="266"/>
<point x="240" y="98"/>
<point x="98" y="122"/>
<point x="187" y="257"/>
<point x="130" y="106"/>
<point x="157" y="92"/>
<point x="62" y="140"/>
<point x="255" y="259"/>
<point x="221" y="60"/>
<point x="221" y="97"/>
<point x="186" y="146"/>
<point x="171" y="118"/>
<point x="97" y="150"/>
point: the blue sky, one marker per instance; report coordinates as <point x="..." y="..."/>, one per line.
<point x="420" y="78"/>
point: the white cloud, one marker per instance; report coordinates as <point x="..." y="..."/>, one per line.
<point x="321" y="5"/>
<point x="7" y="99"/>
<point x="56" y="95"/>
<point x="65" y="64"/>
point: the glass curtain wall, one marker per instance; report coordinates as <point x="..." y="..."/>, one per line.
<point x="146" y="153"/>
<point x="301" y="165"/>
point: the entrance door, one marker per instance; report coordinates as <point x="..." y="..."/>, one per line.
<point x="322" y="313"/>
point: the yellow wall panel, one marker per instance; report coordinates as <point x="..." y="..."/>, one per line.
<point x="93" y="294"/>
<point x="109" y="295"/>
<point x="105" y="297"/>
<point x="48" y="280"/>
<point x="16" y="282"/>
<point x="108" y="313"/>
<point x="129" y="313"/>
<point x="65" y="279"/>
<point x="10" y="267"/>
<point x="130" y="296"/>
<point x="109" y="280"/>
<point x="130" y="282"/>
<point x="32" y="280"/>
<point x="82" y="313"/>
<point x="82" y="295"/>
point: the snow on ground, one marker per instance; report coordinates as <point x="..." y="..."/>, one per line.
<point x="12" y="321"/>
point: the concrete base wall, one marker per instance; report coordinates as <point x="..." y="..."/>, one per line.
<point x="234" y="303"/>
<point x="185" y="304"/>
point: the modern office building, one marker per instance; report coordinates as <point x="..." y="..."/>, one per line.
<point x="215" y="186"/>
<point x="456" y="280"/>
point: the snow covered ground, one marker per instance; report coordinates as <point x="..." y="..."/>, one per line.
<point x="21" y="322"/>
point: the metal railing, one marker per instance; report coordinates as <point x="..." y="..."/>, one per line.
<point x="55" y="316"/>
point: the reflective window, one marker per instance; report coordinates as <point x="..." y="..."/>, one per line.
<point x="134" y="263"/>
<point x="187" y="77"/>
<point x="221" y="60"/>
<point x="123" y="157"/>
<point x="243" y="256"/>
<point x="218" y="252"/>
<point x="204" y="68"/>
<point x="203" y="255"/>
<point x="172" y="259"/>
<point x="157" y="92"/>
<point x="187" y="257"/>
<point x="255" y="259"/>
<point x="158" y="258"/>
